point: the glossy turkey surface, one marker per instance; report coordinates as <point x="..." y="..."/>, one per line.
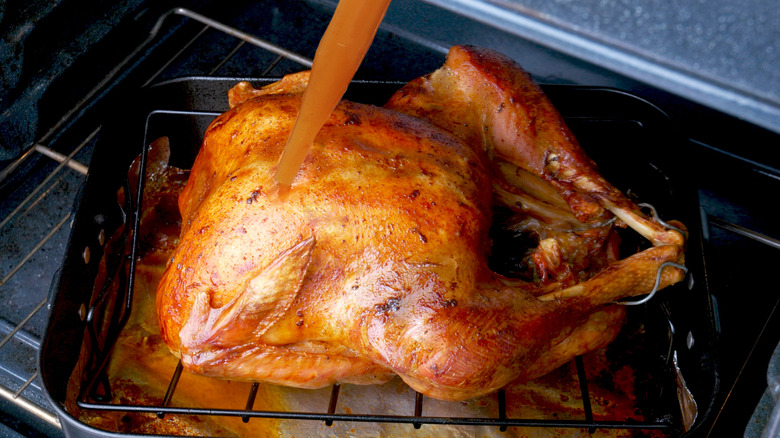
<point x="375" y="265"/>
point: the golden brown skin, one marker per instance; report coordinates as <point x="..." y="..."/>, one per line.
<point x="489" y="101"/>
<point x="376" y="262"/>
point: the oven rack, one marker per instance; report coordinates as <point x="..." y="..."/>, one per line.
<point x="91" y="397"/>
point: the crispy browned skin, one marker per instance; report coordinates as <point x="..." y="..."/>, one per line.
<point x="376" y="263"/>
<point x="488" y="100"/>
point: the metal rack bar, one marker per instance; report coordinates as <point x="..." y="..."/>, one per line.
<point x="73" y="164"/>
<point x="502" y="407"/>
<point x="227" y="58"/>
<point x="29" y="406"/>
<point x="584" y="390"/>
<point x="23" y="322"/>
<point x="373" y="418"/>
<point x="250" y="400"/>
<point x="746" y="232"/>
<point x="251" y="39"/>
<point x="171" y="389"/>
<point x="334" y="396"/>
<point x="29" y="255"/>
<point x="418" y="400"/>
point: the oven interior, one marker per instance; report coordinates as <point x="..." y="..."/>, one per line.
<point x="709" y="165"/>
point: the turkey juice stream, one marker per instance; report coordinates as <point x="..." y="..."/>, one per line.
<point x="339" y="54"/>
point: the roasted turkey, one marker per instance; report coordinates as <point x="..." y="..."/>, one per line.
<point x="376" y="263"/>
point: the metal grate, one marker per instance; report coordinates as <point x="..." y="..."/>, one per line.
<point x="68" y="167"/>
<point x="416" y="418"/>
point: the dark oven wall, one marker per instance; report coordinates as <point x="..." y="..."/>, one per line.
<point x="50" y="57"/>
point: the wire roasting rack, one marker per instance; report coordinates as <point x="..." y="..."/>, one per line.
<point x="103" y="332"/>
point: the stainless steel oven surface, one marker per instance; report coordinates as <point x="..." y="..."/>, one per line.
<point x="85" y="89"/>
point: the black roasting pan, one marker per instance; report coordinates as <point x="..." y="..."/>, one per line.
<point x="632" y="140"/>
